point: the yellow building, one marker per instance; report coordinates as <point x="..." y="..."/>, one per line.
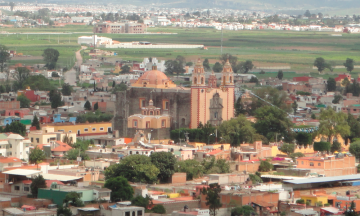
<point x="151" y="117"/>
<point x="339" y="138"/>
<point x="197" y="145"/>
<point x="210" y="103"/>
<point x="154" y="79"/>
<point x="82" y="129"/>
<point x="47" y="135"/>
<point x="315" y="199"/>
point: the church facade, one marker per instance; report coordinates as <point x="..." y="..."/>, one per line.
<point x="184" y="107"/>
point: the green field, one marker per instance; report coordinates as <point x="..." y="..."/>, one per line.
<point x="264" y="48"/>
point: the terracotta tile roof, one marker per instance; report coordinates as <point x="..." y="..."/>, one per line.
<point x="27" y="182"/>
<point x="9" y="160"/>
<point x="49" y="182"/>
<point x="214" y="152"/>
<point x="63" y="147"/>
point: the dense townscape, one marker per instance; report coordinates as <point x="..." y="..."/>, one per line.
<point x="158" y="110"/>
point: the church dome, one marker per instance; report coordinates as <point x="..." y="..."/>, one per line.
<point x="154" y="79"/>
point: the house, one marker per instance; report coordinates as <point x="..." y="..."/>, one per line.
<point x="86" y="130"/>
<point x="14" y="145"/>
<point x="341" y="78"/>
<point x="47" y="135"/>
<point x="60" y="149"/>
<point x="9" y="162"/>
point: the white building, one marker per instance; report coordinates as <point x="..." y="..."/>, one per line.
<point x="89" y="40"/>
<point x="160" y="20"/>
<point x="14" y="145"/>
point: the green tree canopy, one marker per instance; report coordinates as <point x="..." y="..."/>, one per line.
<point x="38" y="82"/>
<point x="192" y="168"/>
<point x="135" y="168"/>
<point x="265" y="166"/>
<point x="159" y="209"/>
<point x="354" y="128"/>
<point x="349" y="64"/>
<point x="35" y="123"/>
<point x="125" y="69"/>
<point x="87" y="105"/>
<point x="37" y="182"/>
<point x="243" y="211"/>
<point x="271" y="95"/>
<point x="72" y="154"/>
<point x="217" y="67"/>
<point x="280" y="75"/>
<point x="63" y="211"/>
<point x="237" y="130"/>
<point x="4" y="57"/>
<point x="36" y="156"/>
<point x="120" y="189"/>
<point x="24" y="101"/>
<point x="66" y="89"/>
<point x="50" y="56"/>
<point x="74" y="198"/>
<point x="355" y="148"/>
<point x="165" y="162"/>
<point x="21" y="74"/>
<point x="336" y="146"/>
<point x="287" y="148"/>
<point x="321" y="64"/>
<point x="333" y="123"/>
<point x="56" y="100"/>
<point x="96" y="106"/>
<point x="246" y="66"/>
<point x="206" y="64"/>
<point x="212" y="197"/>
<point x="119" y="87"/>
<point x="303" y="138"/>
<point x="141" y="201"/>
<point x="272" y="122"/>
<point x="16" y="127"/>
<point x="239" y="107"/>
<point x="322" y="146"/>
<point x="331" y="84"/>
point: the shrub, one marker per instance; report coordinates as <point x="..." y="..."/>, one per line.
<point x="322" y="146"/>
<point x="300" y="201"/>
<point x="265" y="166"/>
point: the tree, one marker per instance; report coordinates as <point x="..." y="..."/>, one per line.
<point x="20" y="75"/>
<point x="352" y="210"/>
<point x="74" y="198"/>
<point x="135" y="168"/>
<point x="12" y="6"/>
<point x="303" y="138"/>
<point x="120" y="87"/>
<point x="354" y="128"/>
<point x="337" y="99"/>
<point x="296" y="155"/>
<point x="189" y="64"/>
<point x="280" y="75"/>
<point x="96" y="106"/>
<point x="246" y="66"/>
<point x="113" y="84"/>
<point x="66" y="89"/>
<point x="355" y="148"/>
<point x="63" y="211"/>
<point x="206" y="64"/>
<point x="125" y="69"/>
<point x="165" y="162"/>
<point x="345" y="82"/>
<point x="321" y="64"/>
<point x="87" y="105"/>
<point x="36" y="156"/>
<point x="243" y="211"/>
<point x="54" y="74"/>
<point x="24" y="101"/>
<point x="56" y="100"/>
<point x="175" y="66"/>
<point x="217" y="67"/>
<point x="239" y="107"/>
<point x="120" y="189"/>
<point x="232" y="60"/>
<point x="336" y="146"/>
<point x="51" y="57"/>
<point x="271" y="95"/>
<point x="253" y="79"/>
<point x="349" y="64"/>
<point x="72" y="154"/>
<point x="35" y="123"/>
<point x="38" y="82"/>
<point x="141" y="201"/>
<point x="159" y="209"/>
<point x="287" y="148"/>
<point x="271" y="122"/>
<point x="255" y="178"/>
<point x="265" y="166"/>
<point x="212" y="197"/>
<point x="16" y="127"/>
<point x="37" y="182"/>
<point x="322" y="146"/>
<point x="313" y="116"/>
<point x="294" y="106"/>
<point x="4" y="56"/>
<point x="192" y="168"/>
<point x="331" y="84"/>
<point x="237" y="130"/>
<point x="333" y="123"/>
<point x="307" y="13"/>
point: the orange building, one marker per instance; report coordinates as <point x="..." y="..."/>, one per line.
<point x="329" y="166"/>
<point x="154" y="79"/>
<point x="210" y="103"/>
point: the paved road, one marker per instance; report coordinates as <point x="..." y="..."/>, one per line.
<point x="70" y="76"/>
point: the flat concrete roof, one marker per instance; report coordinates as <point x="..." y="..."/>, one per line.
<point x="60" y="177"/>
<point x="324" y="179"/>
<point x="22" y="172"/>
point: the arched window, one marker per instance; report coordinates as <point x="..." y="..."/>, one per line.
<point x="202" y="80"/>
<point x="195" y="80"/>
<point x="215" y="115"/>
<point x="144" y="84"/>
<point x="183" y="121"/>
<point x="151" y="113"/>
<point x="230" y="79"/>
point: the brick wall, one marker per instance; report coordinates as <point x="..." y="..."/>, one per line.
<point x="177" y="206"/>
<point x="9" y="105"/>
<point x="178" y="178"/>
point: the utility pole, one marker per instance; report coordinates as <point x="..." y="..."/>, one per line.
<point x="58" y="38"/>
<point x="221" y="36"/>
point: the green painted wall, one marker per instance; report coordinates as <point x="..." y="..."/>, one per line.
<point x="25" y="121"/>
<point x="56" y="196"/>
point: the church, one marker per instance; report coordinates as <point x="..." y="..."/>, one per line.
<point x="155" y="104"/>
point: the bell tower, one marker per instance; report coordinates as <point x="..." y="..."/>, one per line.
<point x="227" y="75"/>
<point x="198" y="95"/>
<point x="228" y="88"/>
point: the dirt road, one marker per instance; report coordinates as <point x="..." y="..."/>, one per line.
<point x="70" y="75"/>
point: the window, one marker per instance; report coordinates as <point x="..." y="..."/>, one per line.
<point x="135" y="123"/>
<point x="86" y="130"/>
<point x="17" y="187"/>
<point x="195" y="80"/>
<point x="93" y="129"/>
<point x="319" y="164"/>
<point x="37" y="140"/>
<point x="127" y="213"/>
<point x="151" y="113"/>
<point x="10" y="145"/>
<point x="148" y="124"/>
<point x="230" y="79"/>
<point x="163" y="123"/>
<point x="302" y="162"/>
<point x="202" y="80"/>
<point x="166" y="105"/>
<point x="142" y="102"/>
<point x="10" y="164"/>
<point x="215" y="115"/>
<point x="26" y="189"/>
<point x="311" y="164"/>
<point x="32" y="139"/>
